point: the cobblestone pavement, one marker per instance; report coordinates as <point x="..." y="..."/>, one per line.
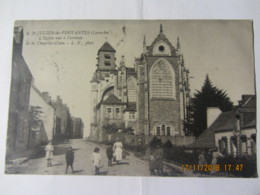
<point x="130" y="166"/>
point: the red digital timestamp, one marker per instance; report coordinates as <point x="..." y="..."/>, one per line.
<point x="209" y="167"/>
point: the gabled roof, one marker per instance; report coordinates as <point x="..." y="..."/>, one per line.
<point x="226" y="121"/>
<point x="161" y="37"/>
<point x="248" y="101"/>
<point x="112" y="100"/>
<point x="207" y="139"/>
<point x="106" y="47"/>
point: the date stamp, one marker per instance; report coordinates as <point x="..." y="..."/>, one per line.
<point x="211" y="167"/>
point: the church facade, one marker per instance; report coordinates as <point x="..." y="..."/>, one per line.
<point x="150" y="98"/>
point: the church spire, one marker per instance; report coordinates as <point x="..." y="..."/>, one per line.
<point x="144" y="45"/>
<point x="178" y="43"/>
<point x="161" y="29"/>
<point x="122" y="61"/>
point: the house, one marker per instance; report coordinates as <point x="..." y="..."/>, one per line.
<point x="233" y="132"/>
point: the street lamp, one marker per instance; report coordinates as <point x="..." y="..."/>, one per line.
<point x="237" y="132"/>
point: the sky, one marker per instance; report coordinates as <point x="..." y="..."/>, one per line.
<point x="221" y="49"/>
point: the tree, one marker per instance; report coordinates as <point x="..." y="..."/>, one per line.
<point x="34" y="120"/>
<point x="34" y="115"/>
<point x="209" y="96"/>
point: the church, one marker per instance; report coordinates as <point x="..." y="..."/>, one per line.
<point x="151" y="98"/>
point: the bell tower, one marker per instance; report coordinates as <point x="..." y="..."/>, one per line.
<point x="106" y="58"/>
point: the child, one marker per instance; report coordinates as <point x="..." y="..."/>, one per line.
<point x="152" y="165"/>
<point x="69" y="159"/>
<point x="49" y="153"/>
<point x="109" y="152"/>
<point x="96" y="159"/>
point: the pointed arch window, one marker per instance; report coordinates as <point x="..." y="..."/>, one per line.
<point x="162" y="80"/>
<point x="131" y="88"/>
<point x="163" y="129"/>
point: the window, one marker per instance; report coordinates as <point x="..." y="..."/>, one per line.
<point x="168" y="131"/>
<point x="132" y="88"/>
<point x="107" y="56"/>
<point x="109" y="113"/>
<point x="233" y="145"/>
<point x="107" y="63"/>
<point x="158" y="129"/>
<point x="132" y="115"/>
<point x="253" y="144"/>
<point x="243" y="141"/>
<point x="162" y="80"/>
<point x="164" y="130"/>
<point x="117" y="113"/>
<point x="161" y="48"/>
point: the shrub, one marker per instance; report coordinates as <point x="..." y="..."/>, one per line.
<point x="179" y="155"/>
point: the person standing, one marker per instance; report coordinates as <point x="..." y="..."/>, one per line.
<point x="49" y="153"/>
<point x="96" y="160"/>
<point x="215" y="156"/>
<point x="109" y="152"/>
<point x="202" y="159"/>
<point x="158" y="156"/>
<point x="69" y="159"/>
<point x="118" y="149"/>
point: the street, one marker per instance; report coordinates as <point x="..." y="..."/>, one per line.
<point x="130" y="166"/>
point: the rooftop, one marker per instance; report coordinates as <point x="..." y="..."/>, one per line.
<point x="106" y="47"/>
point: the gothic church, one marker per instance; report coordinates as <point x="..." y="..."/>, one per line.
<point x="151" y="98"/>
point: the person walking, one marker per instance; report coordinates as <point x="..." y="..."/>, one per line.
<point x="69" y="159"/>
<point x="109" y="152"/>
<point x="96" y="160"/>
<point x="118" y="149"/>
<point x="49" y="153"/>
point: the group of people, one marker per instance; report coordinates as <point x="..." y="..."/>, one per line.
<point x="49" y="149"/>
<point x="209" y="157"/>
<point x="114" y="153"/>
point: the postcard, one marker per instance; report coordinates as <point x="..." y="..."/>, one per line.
<point x="158" y="98"/>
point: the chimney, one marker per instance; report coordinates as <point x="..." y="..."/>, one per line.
<point x="212" y="115"/>
<point x="46" y="96"/>
<point x="18" y="38"/>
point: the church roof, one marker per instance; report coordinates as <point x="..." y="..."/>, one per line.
<point x="106" y="47"/>
<point x="111" y="100"/>
<point x="160" y="37"/>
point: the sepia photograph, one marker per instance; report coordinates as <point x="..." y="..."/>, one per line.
<point x="155" y="98"/>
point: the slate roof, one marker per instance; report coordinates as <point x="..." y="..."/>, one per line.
<point x="106" y="47"/>
<point x="226" y="121"/>
<point x="131" y="106"/>
<point x="112" y="100"/>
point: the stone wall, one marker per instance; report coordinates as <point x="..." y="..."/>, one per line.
<point x="146" y="139"/>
